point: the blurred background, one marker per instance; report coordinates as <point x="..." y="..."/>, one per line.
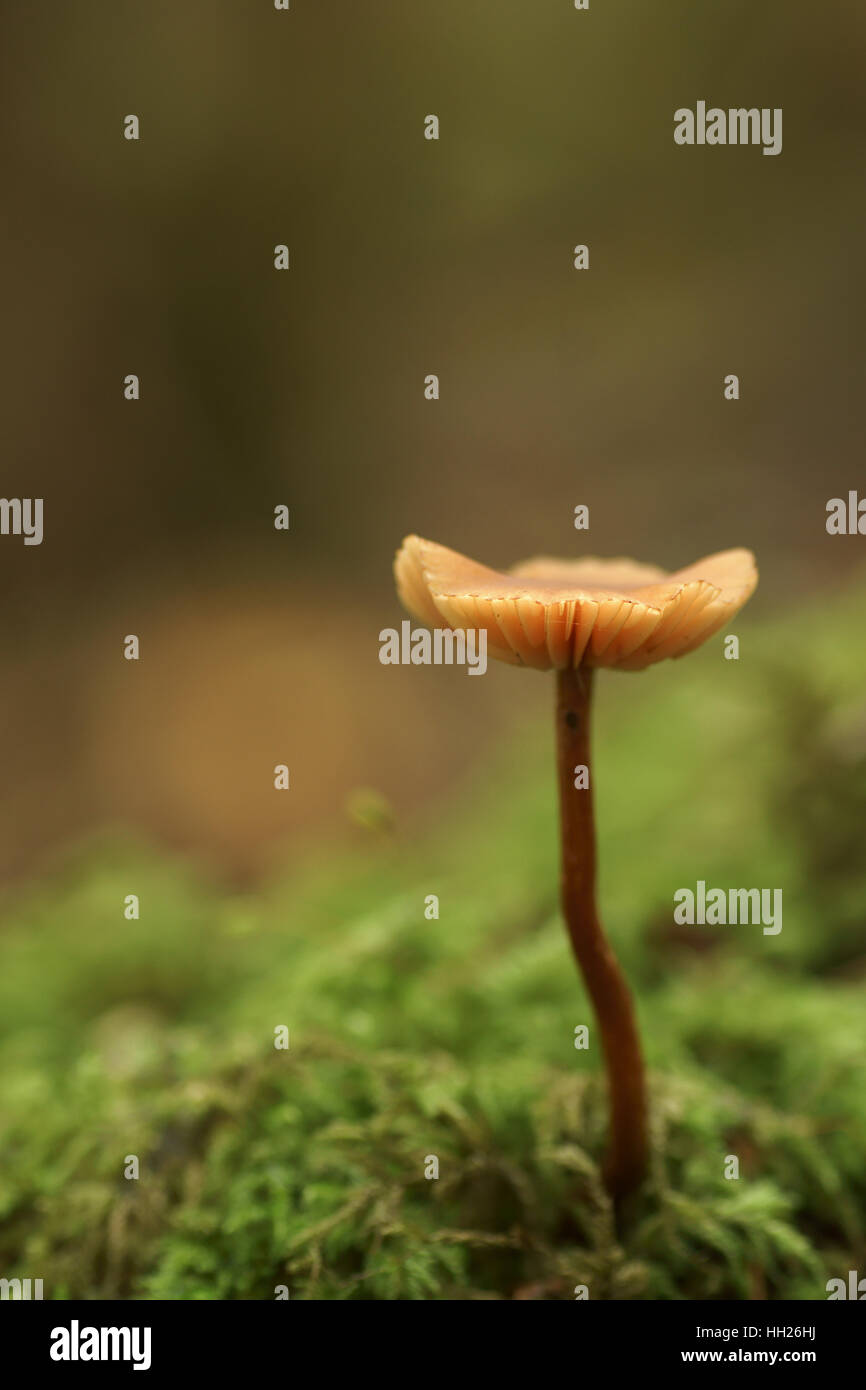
<point x="408" y="257"/>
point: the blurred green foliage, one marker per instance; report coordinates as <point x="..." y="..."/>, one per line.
<point x="454" y="1037"/>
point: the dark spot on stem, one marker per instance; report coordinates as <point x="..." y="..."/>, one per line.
<point x="571" y="719"/>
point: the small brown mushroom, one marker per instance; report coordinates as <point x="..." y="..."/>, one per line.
<point x="571" y="616"/>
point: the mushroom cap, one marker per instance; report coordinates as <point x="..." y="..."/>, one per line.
<point x="561" y="613"/>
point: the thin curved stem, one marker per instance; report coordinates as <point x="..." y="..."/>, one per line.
<point x="626" y="1160"/>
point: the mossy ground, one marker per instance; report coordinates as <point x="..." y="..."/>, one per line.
<point x="454" y="1038"/>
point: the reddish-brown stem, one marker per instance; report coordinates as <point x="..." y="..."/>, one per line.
<point x="626" y="1158"/>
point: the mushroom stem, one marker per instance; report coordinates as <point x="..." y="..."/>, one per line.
<point x="626" y="1159"/>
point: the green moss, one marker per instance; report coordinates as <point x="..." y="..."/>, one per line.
<point x="454" y="1037"/>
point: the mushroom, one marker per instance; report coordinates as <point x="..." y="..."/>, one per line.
<point x="571" y="616"/>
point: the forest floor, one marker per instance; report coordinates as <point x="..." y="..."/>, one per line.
<point x="453" y="1039"/>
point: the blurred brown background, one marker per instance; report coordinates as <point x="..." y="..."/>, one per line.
<point x="408" y="257"/>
